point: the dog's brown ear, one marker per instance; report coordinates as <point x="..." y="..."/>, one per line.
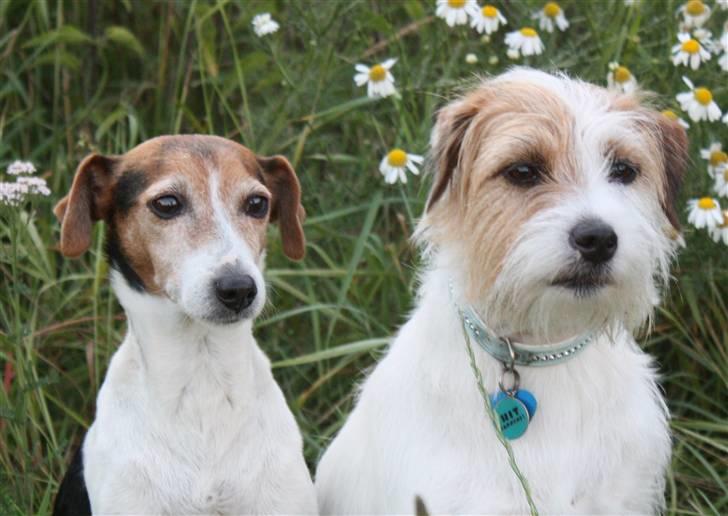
<point x="447" y="139"/>
<point x="286" y="207"/>
<point x="88" y="201"/>
<point x="674" y="144"/>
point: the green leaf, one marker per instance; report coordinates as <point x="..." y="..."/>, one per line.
<point x="346" y="349"/>
<point x="124" y="38"/>
<point x="67" y="34"/>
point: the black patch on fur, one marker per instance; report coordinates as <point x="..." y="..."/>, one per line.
<point x="72" y="498"/>
<point x="128" y="188"/>
<point x="119" y="261"/>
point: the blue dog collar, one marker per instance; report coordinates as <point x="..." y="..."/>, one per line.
<point x="522" y="354"/>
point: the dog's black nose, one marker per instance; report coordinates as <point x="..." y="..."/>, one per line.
<point x="595" y="240"/>
<point x="236" y="291"/>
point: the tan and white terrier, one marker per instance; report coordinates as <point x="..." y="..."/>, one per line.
<point x="549" y="231"/>
<point x="189" y="418"/>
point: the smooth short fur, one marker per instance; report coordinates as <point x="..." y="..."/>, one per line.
<point x="189" y="418"/>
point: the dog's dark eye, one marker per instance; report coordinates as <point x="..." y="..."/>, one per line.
<point x="623" y="172"/>
<point x="256" y="206"/>
<point x="523" y="174"/>
<point x="166" y="206"/>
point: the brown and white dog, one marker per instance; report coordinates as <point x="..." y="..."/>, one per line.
<point x="189" y="418"/>
<point x="551" y="219"/>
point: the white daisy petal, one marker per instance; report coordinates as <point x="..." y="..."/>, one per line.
<point x="396" y="163"/>
<point x="704" y="212"/>
<point x="378" y="78"/>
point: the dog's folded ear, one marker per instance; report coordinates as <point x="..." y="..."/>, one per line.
<point x="674" y="144"/>
<point x="88" y="201"/>
<point x="446" y="142"/>
<point x="286" y="208"/>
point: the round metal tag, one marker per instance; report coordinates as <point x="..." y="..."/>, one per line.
<point x="522" y="395"/>
<point x="512" y="417"/>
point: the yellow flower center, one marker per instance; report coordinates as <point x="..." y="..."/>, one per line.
<point x="622" y="74"/>
<point x="377" y="73"/>
<point x="669" y="114"/>
<point x="718" y="157"/>
<point x="691" y="46"/>
<point x="528" y="32"/>
<point x="706" y="203"/>
<point x="703" y="96"/>
<point x="456" y="4"/>
<point x="489" y="11"/>
<point x="695" y="7"/>
<point x="551" y="9"/>
<point x="397" y="158"/>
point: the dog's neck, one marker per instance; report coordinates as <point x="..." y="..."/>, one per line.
<point x="177" y="354"/>
<point x="445" y="284"/>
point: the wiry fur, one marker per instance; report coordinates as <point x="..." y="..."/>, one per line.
<point x="599" y="442"/>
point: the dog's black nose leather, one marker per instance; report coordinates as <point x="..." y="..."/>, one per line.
<point x="595" y="240"/>
<point x="236" y="291"/>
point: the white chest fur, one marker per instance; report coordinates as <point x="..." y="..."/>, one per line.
<point x="598" y="444"/>
<point x="190" y="420"/>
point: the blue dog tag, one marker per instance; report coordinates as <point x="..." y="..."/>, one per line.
<point x="522" y="395"/>
<point x="512" y="417"/>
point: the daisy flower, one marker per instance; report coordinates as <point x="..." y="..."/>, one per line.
<point x="378" y="78"/>
<point x="722" y="46"/>
<point x="721" y="182"/>
<point x="488" y="19"/>
<point x="471" y="58"/>
<point x="704" y="212"/>
<point x="689" y="50"/>
<point x="620" y="78"/>
<point x="699" y="103"/>
<point x="723" y="62"/>
<point x="720" y="232"/>
<point x="394" y="165"/>
<point x="716" y="157"/>
<point x="263" y="24"/>
<point x="705" y="37"/>
<point x="669" y="113"/>
<point x="525" y="41"/>
<point x="551" y="14"/>
<point x="455" y="12"/>
<point x="695" y="13"/>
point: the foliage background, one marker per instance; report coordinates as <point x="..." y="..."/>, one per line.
<point x="91" y="75"/>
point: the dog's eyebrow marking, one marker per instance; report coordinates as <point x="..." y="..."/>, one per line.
<point x="128" y="187"/>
